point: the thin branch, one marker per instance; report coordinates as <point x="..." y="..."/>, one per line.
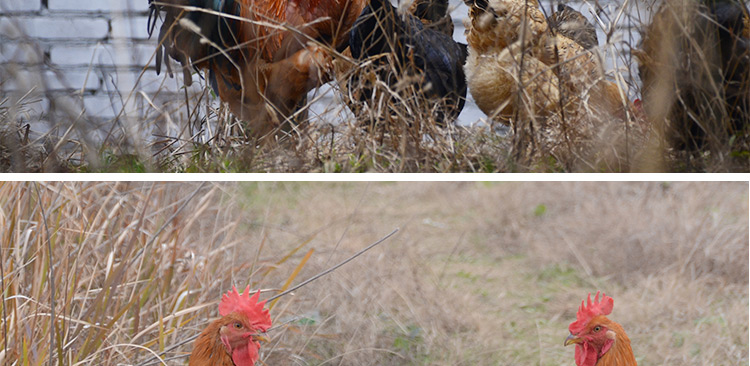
<point x="321" y="274"/>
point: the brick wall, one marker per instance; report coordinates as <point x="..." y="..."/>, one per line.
<point x="82" y="58"/>
<point x="86" y="55"/>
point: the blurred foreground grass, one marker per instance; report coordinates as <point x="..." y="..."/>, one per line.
<point x="478" y="274"/>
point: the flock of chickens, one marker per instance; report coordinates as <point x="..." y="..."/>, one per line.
<point x="234" y="339"/>
<point x="540" y="75"/>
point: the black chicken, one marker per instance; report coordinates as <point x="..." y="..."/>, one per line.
<point x="433" y="14"/>
<point x="426" y="55"/>
<point x="694" y="62"/>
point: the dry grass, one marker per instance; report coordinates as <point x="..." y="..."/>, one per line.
<point x="487" y="274"/>
<point x="397" y="132"/>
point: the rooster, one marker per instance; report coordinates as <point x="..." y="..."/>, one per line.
<point x="261" y="56"/>
<point x="412" y="51"/>
<point x="234" y="339"/>
<point x="599" y="341"/>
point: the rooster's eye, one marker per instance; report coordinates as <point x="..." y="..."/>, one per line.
<point x="238" y="325"/>
<point x="597" y="328"/>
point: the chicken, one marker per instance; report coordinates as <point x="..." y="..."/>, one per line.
<point x="433" y="14"/>
<point x="524" y="71"/>
<point x="410" y="55"/>
<point x="233" y="339"/>
<point x="572" y="24"/>
<point x="496" y="25"/>
<point x="261" y="56"/>
<point x="694" y="62"/>
<point x="494" y="82"/>
<point x="599" y="341"/>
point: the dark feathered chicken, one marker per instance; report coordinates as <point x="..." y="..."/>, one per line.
<point x="734" y="44"/>
<point x="424" y="53"/>
<point x="433" y="14"/>
<point x="694" y="62"/>
<point x="572" y="24"/>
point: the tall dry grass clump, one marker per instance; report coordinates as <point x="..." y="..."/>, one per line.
<point x="113" y="119"/>
<point x="17" y="152"/>
<point x="99" y="273"/>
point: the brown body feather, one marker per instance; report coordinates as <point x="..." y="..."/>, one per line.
<point x="264" y="56"/>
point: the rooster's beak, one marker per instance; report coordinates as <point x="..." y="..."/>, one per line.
<point x="259" y="338"/>
<point x="572" y="339"/>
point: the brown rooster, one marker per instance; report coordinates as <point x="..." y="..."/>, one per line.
<point x="599" y="341"/>
<point x="496" y="49"/>
<point x="261" y="56"/>
<point x="233" y="339"/>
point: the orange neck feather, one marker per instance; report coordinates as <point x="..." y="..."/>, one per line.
<point x="265" y="41"/>
<point x="208" y="349"/>
<point x="258" y="39"/>
<point x="621" y="354"/>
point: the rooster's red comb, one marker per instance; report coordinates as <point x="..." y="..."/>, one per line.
<point x="234" y="301"/>
<point x="590" y="310"/>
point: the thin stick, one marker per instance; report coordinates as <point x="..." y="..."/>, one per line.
<point x="445" y="266"/>
<point x="321" y="274"/>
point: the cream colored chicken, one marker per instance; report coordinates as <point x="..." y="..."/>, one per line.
<point x="524" y="73"/>
<point x="496" y="83"/>
<point x="505" y="35"/>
